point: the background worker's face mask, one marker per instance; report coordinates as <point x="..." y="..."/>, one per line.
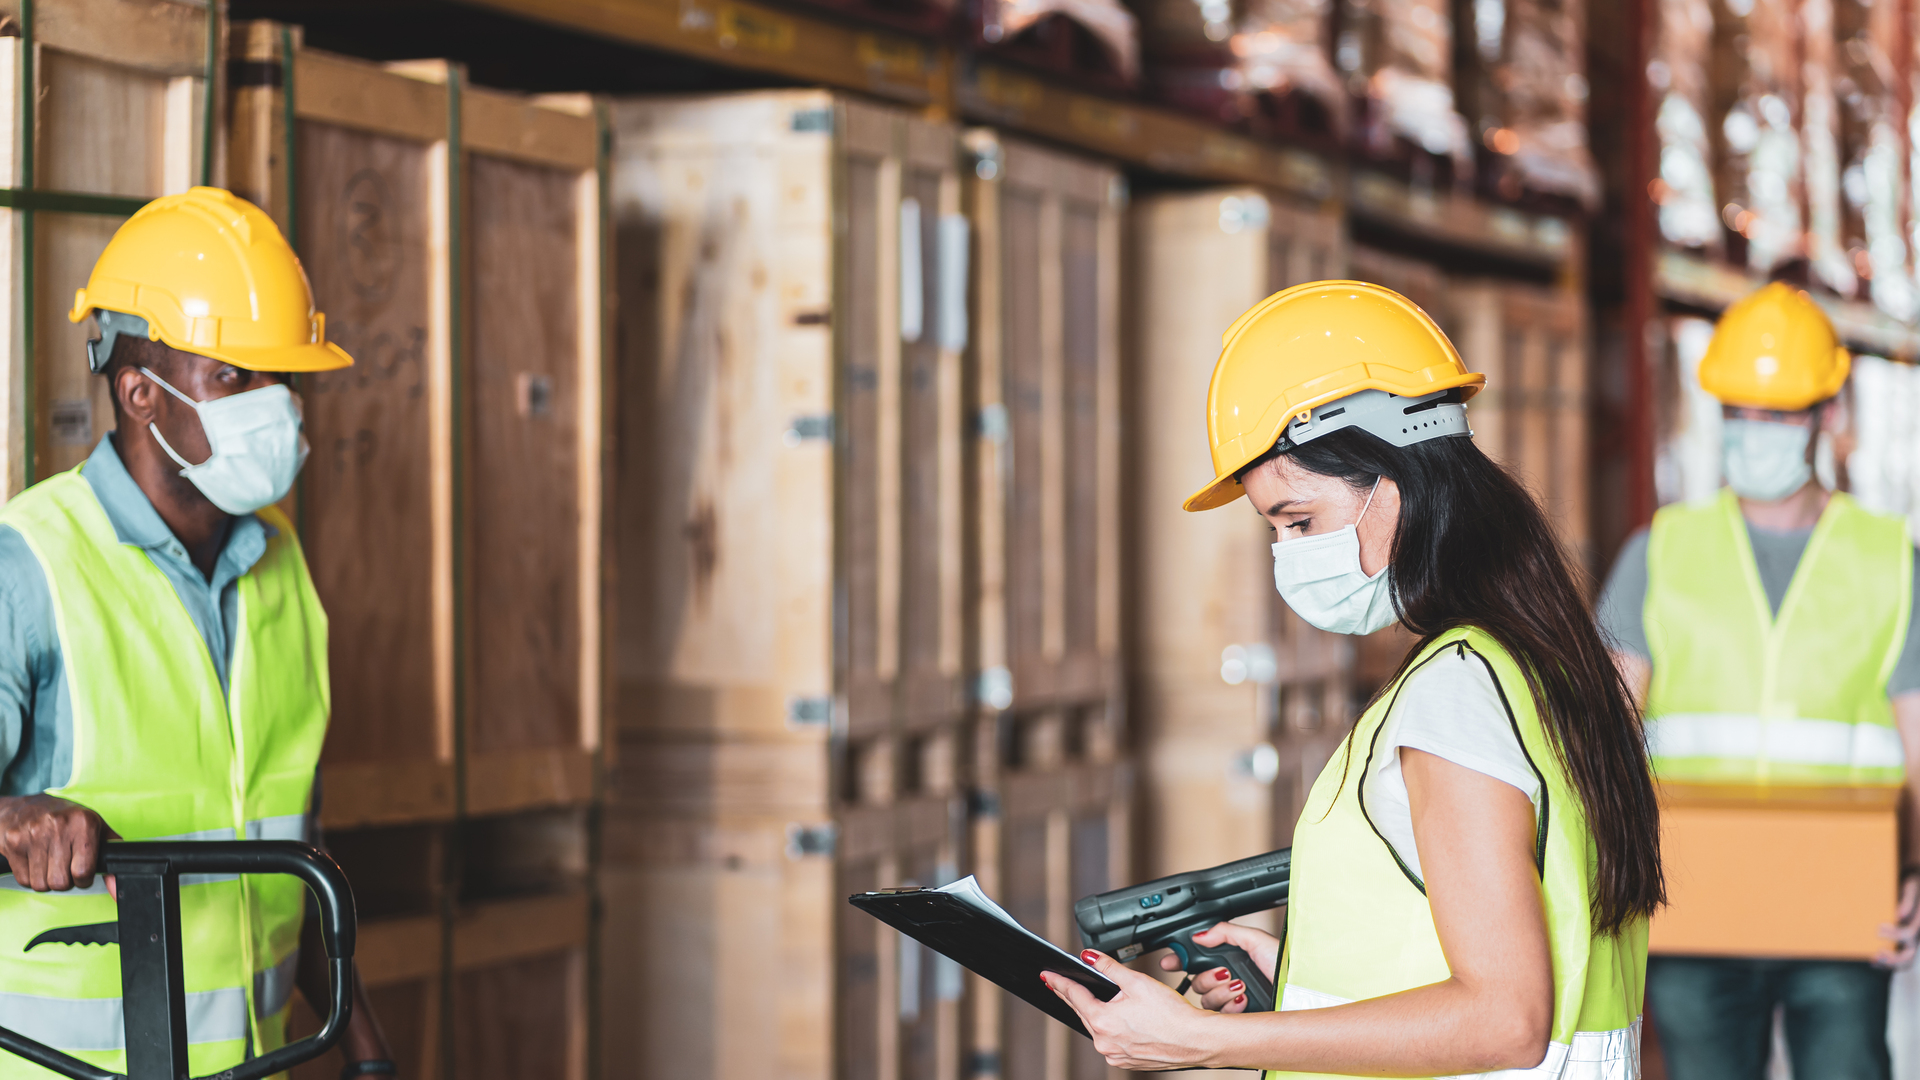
<point x="1321" y="580"/>
<point x="1763" y="460"/>
<point x="257" y="446"/>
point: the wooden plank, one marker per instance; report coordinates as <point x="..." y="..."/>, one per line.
<point x="505" y="931"/>
<point x="691" y="878"/>
<point x="758" y="38"/>
<point x="1047" y="358"/>
<point x="368" y="213"/>
<point x="1156" y="138"/>
<point x="113" y="116"/>
<point x="525" y="401"/>
<point x="529" y="777"/>
<point x="527" y="130"/>
<point x="522" y="1017"/>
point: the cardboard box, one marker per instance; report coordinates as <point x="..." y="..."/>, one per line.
<point x="1777" y="871"/>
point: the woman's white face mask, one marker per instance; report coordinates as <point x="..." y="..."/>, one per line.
<point x="1763" y="460"/>
<point x="1321" y="580"/>
<point x="257" y="446"/>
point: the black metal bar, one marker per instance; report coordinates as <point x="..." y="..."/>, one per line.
<point x="71" y="202"/>
<point x="152" y="977"/>
<point x="147" y="879"/>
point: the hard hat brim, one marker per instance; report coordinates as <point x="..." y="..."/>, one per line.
<point x="1224" y="488"/>
<point x="319" y="356"/>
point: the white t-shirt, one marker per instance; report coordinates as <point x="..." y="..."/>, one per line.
<point x="1450" y="708"/>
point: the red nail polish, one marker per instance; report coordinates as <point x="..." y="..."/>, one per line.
<point x="1240" y="999"/>
<point x="1237" y="986"/>
<point x="1089" y="956"/>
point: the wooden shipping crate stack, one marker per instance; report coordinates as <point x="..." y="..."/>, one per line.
<point x="452" y="515"/>
<point x="794" y="719"/>
<point x="119" y="113"/>
<point x="1237" y="701"/>
<point x="1531" y="342"/>
<point x="1052" y="766"/>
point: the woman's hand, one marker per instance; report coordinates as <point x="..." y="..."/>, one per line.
<point x="1218" y="989"/>
<point x="1146" y="1026"/>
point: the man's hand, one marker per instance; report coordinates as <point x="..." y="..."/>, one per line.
<point x="51" y="844"/>
<point x="1903" y="932"/>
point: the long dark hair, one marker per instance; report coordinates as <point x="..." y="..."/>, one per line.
<point x="1474" y="549"/>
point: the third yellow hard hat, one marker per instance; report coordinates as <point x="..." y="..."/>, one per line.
<point x="211" y="274"/>
<point x="1774" y="349"/>
<point x="1311" y="345"/>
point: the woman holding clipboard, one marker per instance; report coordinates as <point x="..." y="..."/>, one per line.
<point x="1474" y="869"/>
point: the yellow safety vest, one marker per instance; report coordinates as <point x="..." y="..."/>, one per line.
<point x="160" y="753"/>
<point x="1739" y="696"/>
<point x="1359" y="925"/>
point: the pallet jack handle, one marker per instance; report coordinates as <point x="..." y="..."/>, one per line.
<point x="153" y="989"/>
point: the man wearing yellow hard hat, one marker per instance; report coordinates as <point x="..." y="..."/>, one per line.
<point x="1474" y="868"/>
<point x="1768" y="634"/>
<point x="163" y="657"/>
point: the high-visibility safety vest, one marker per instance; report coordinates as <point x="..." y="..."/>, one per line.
<point x="1740" y="696"/>
<point x="160" y="753"/>
<point x="1359" y="925"/>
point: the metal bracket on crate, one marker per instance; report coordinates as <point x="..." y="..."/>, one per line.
<point x="820" y="120"/>
<point x="983" y="804"/>
<point x="994" y="688"/>
<point x="990" y="423"/>
<point x="805" y="840"/>
<point x="808" y="429"/>
<point x="806" y="712"/>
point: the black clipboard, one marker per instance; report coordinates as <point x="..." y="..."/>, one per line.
<point x="1004" y="955"/>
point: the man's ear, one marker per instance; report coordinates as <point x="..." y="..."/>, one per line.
<point x="134" y="393"/>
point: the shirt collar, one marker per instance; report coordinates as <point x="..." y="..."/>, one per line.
<point x="136" y="522"/>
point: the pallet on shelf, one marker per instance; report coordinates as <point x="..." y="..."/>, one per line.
<point x="460" y="265"/>
<point x="1051" y="747"/>
<point x="117" y="113"/>
<point x="1236" y="700"/>
<point x="794" y="708"/>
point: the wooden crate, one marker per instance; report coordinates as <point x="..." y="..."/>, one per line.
<point x="118" y="114"/>
<point x="460" y="265"/>
<point x="1050" y="761"/>
<point x="794" y="707"/>
<point x="1531" y="342"/>
<point x="1237" y="701"/>
<point x="520" y="990"/>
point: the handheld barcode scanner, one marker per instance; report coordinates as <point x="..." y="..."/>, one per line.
<point x="1165" y="914"/>
<point x="147" y="933"/>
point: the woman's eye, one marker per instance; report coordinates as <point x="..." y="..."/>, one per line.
<point x="1301" y="525"/>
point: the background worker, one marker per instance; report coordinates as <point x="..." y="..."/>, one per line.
<point x="1768" y="634"/>
<point x="163" y="657"/>
<point x="1474" y="868"/>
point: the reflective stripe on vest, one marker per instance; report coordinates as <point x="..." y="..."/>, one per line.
<point x="1742" y="695"/>
<point x="1590" y="1055"/>
<point x="160" y="751"/>
<point x="97" y="1024"/>
<point x="1359" y="925"/>
<point x="1798" y="741"/>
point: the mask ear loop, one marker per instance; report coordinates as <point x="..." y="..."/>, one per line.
<point x="1369" y="503"/>
<point x="164" y="445"/>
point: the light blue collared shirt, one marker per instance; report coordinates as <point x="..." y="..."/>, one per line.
<point x="36" y="717"/>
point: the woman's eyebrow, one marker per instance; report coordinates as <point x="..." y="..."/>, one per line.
<point x="1281" y="506"/>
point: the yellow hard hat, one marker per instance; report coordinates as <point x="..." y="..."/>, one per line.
<point x="1313" y="345"/>
<point x="211" y="274"/>
<point x="1774" y="349"/>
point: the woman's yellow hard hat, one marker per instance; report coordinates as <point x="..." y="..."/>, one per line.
<point x="1774" y="349"/>
<point x="211" y="274"/>
<point x="1313" y="345"/>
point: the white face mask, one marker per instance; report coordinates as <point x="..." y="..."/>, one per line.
<point x="1321" y="580"/>
<point x="257" y="443"/>
<point x="1763" y="460"/>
